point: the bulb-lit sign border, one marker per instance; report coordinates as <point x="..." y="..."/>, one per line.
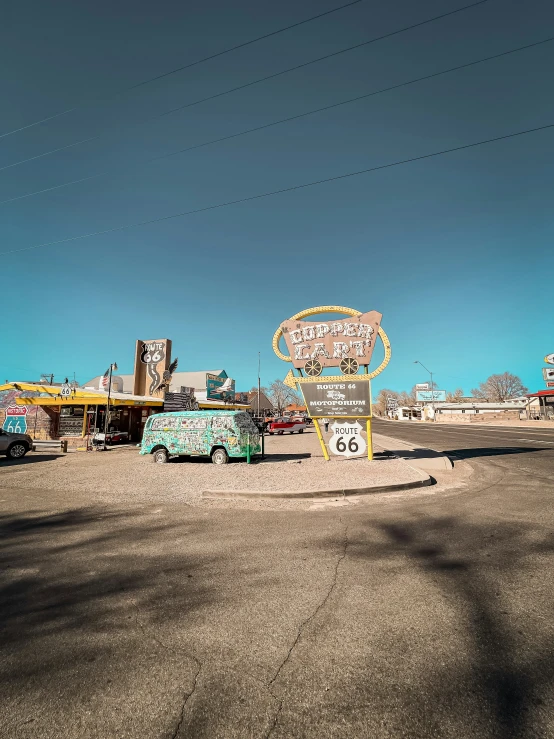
<point x="291" y="380"/>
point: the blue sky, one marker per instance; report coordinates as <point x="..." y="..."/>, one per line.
<point x="455" y="251"/>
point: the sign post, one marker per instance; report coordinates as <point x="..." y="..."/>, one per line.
<point x="321" y="441"/>
<point x="369" y="440"/>
<point x="346" y="344"/>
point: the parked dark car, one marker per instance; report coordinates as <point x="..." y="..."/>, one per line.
<point x="14" y="446"/>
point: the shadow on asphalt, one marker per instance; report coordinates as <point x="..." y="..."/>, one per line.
<point x="489" y="451"/>
<point x="29" y="459"/>
<point x="90" y="570"/>
<point x="510" y="672"/>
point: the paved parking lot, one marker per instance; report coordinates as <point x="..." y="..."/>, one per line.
<point x="423" y="614"/>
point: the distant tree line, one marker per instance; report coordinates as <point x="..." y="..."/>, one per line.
<point x="495" y="389"/>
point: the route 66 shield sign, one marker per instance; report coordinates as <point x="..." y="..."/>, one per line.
<point x="347" y="439"/>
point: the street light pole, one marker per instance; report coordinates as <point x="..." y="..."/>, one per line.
<point x="107" y="414"/>
<point x="432" y="387"/>
<point x="259" y="360"/>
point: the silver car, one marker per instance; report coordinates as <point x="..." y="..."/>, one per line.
<point x="14" y="446"/>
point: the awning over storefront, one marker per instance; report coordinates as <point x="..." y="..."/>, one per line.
<point x="50" y="395"/>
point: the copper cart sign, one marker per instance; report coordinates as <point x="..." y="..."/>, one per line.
<point x="344" y="343"/>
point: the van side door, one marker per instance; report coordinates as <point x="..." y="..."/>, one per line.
<point x="194" y="435"/>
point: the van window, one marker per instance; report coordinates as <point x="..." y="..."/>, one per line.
<point x="194" y="423"/>
<point x="222" y="422"/>
<point x="164" y="423"/>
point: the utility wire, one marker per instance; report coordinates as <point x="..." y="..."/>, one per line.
<point x="180" y="69"/>
<point x="118" y="170"/>
<point x="249" y="84"/>
<point x="282" y="190"/>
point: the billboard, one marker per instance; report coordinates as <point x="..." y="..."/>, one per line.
<point x="428" y="396"/>
<point x="152" y="359"/>
<point x="337" y="399"/>
<point x="332" y="343"/>
<point x="220" y="388"/>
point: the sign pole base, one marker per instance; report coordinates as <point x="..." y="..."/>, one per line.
<point x="321" y="441"/>
<point x="369" y="440"/>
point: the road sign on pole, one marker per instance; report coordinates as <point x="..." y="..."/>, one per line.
<point x="347" y="439"/>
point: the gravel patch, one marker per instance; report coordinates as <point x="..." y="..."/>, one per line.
<point x="123" y="476"/>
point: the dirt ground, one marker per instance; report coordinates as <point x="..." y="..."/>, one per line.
<point x="122" y="475"/>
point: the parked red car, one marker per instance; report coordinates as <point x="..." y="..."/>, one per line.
<point x="290" y="425"/>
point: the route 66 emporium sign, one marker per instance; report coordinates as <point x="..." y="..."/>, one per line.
<point x="347" y="439"/>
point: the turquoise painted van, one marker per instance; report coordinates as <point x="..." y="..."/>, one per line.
<point x="216" y="434"/>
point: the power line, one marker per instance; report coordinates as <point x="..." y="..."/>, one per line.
<point x="248" y="84"/>
<point x="186" y="66"/>
<point x="281" y="191"/>
<point x="281" y="121"/>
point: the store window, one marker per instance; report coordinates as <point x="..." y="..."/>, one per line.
<point x="71" y="420"/>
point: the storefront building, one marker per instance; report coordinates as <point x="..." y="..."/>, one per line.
<point x="52" y="412"/>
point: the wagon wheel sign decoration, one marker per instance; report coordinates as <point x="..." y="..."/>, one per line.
<point x="346" y="344"/>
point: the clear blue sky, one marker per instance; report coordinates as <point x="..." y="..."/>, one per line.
<point x="455" y="251"/>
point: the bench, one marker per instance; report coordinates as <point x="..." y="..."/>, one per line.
<point x="56" y="444"/>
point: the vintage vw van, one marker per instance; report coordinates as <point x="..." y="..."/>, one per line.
<point x="215" y="434"/>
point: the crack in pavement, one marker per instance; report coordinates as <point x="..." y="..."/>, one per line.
<point x="301" y="630"/>
<point x="187" y="695"/>
<point x="186" y="698"/>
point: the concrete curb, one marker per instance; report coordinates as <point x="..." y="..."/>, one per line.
<point x="303" y="494"/>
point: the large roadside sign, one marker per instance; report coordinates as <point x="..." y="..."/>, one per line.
<point x="337" y="399"/>
<point x="549" y="359"/>
<point x="346" y="344"/>
<point x="548" y="373"/>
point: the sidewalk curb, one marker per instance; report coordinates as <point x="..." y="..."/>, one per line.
<point x="338" y="493"/>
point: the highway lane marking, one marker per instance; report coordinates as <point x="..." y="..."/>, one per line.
<point x="451" y="427"/>
<point x="537" y="441"/>
<point x="482" y="436"/>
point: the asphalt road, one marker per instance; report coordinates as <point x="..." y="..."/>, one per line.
<point x="424" y="614"/>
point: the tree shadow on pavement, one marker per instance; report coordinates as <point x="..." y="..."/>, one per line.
<point x="477" y="569"/>
<point x="86" y="571"/>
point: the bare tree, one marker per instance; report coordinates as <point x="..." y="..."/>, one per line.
<point x="408" y="398"/>
<point x="282" y="395"/>
<point x="498" y="388"/>
<point x="456" y="396"/>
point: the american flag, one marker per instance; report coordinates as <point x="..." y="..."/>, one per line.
<point x="105" y="378"/>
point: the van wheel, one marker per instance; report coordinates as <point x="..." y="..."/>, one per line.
<point x="301" y="431"/>
<point x="280" y="433"/>
<point x="161" y="456"/>
<point x="220" y="456"/>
